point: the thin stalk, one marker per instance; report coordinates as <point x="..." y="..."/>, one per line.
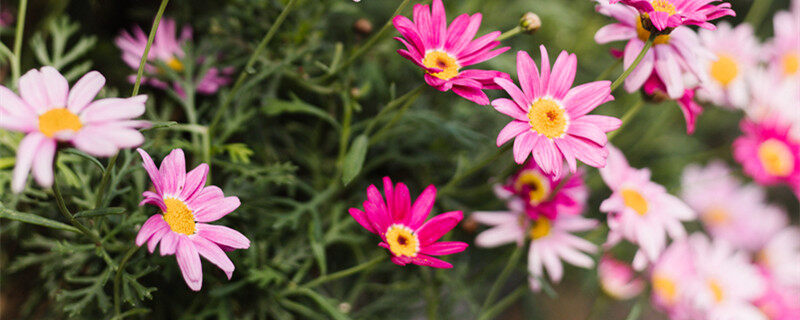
<point x="392" y="105"/>
<point x="250" y="62"/>
<point x="757" y="13"/>
<point x="503" y="304"/>
<point x="513" y="260"/>
<point x="475" y="168"/>
<point x="15" y="61"/>
<point x="344" y="273"/>
<point x="624" y="75"/>
<point x="118" y="278"/>
<point x="62" y="207"/>
<point x="101" y="190"/>
<point x="509" y="33"/>
<point x="627" y="117"/>
<point x="150" y="39"/>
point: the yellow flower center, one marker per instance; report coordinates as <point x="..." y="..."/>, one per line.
<point x="643" y="34"/>
<point x="57" y="120"/>
<point x="441" y="60"/>
<point x="175" y="64"/>
<point x="178" y="216"/>
<point x="776" y="158"/>
<point x="548" y="117"/>
<point x="791" y="63"/>
<point x="716" y="290"/>
<point x="663" y="6"/>
<point x="402" y="241"/>
<point x="725" y="69"/>
<point x="665" y="288"/>
<point x="634" y="200"/>
<point x="716" y="216"/>
<point x="538" y="185"/>
<point x="541" y="227"/>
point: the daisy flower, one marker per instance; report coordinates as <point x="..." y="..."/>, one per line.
<point x="729" y="210"/>
<point x="662" y="15"/>
<point x="784" y="49"/>
<point x="535" y="190"/>
<point x="655" y="88"/>
<point x="672" y="57"/>
<point x="640" y="210"/>
<point x="442" y="50"/>
<point x="779" y="301"/>
<point x="402" y="226"/>
<point x="186" y="208"/>
<point x="671" y="278"/>
<point x="768" y="153"/>
<point x="774" y="97"/>
<point x="781" y="256"/>
<point x="618" y="280"/>
<point x="551" y="240"/>
<point x="48" y="112"/>
<point x="550" y="118"/>
<point x="167" y="48"/>
<point x="737" y="53"/>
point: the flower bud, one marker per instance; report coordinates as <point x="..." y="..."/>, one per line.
<point x="362" y="26"/>
<point x="530" y="22"/>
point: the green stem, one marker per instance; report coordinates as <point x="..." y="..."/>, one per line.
<point x="250" y="62"/>
<point x="118" y="278"/>
<point x="503" y="304"/>
<point x="344" y="273"/>
<point x="15" y="61"/>
<point x="624" y="75"/>
<point x="391" y="106"/>
<point x="757" y="12"/>
<point x="150" y="39"/>
<point x="627" y="117"/>
<point x="101" y="190"/>
<point x="62" y="207"/>
<point x="509" y="33"/>
<point x="513" y="260"/>
<point x="475" y="168"/>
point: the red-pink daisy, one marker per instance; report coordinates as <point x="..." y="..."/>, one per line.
<point x="550" y="118"/>
<point x="442" y="51"/>
<point x="403" y="228"/>
<point x="664" y="14"/>
<point x="768" y="153"/>
<point x="544" y="195"/>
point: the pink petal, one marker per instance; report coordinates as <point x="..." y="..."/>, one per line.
<point x="568" y="153"/>
<point x="26" y="152"/>
<point x="205" y="195"/>
<point x="157" y="236"/>
<point x="84" y="91"/>
<point x="528" y="75"/>
<point x="223" y="235"/>
<point x="401" y="205"/>
<point x="113" y="109"/>
<point x="151" y="169"/>
<point x="472" y="93"/>
<point x="189" y="263"/>
<point x="554" y="268"/>
<point x="11" y="104"/>
<point x="422" y="207"/>
<point x="614" y="32"/>
<point x="545" y="156"/>
<point x="588" y="152"/>
<point x="437" y="226"/>
<point x="511" y="130"/>
<point x="169" y="243"/>
<point x="563" y="75"/>
<point x="514" y="92"/>
<point x="585" y="129"/>
<point x="509" y="108"/>
<point x="361" y="218"/>
<point x="427" y="261"/>
<point x="523" y="145"/>
<point x="670" y="72"/>
<point x="605" y="123"/>
<point x="55" y="86"/>
<point x="214" y="254"/>
<point x="460" y="42"/>
<point x="153" y="224"/>
<point x="438" y="29"/>
<point x="544" y="79"/>
<point x="443" y="248"/>
<point x="173" y="171"/>
<point x="195" y="180"/>
<point x="43" y="163"/>
<point x="215" y="210"/>
<point x="584" y="98"/>
<point x="643" y="71"/>
<point x="93" y="142"/>
<point x="33" y="90"/>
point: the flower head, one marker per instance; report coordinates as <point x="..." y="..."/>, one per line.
<point x="779" y="301"/>
<point x="783" y="50"/>
<point x="544" y="195"/>
<point x="443" y="51"/>
<point x="187" y="206"/>
<point x="48" y="112"/>
<point x="618" y="280"/>
<point x="768" y="153"/>
<point x="781" y="256"/>
<point x="662" y="15"/>
<point x="550" y="117"/>
<point x="402" y="226"/>
<point x="736" y="53"/>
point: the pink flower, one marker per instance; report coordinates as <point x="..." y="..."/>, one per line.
<point x="655" y="88"/>
<point x="665" y="14"/>
<point x="48" y="112"/>
<point x="640" y="210"/>
<point x="779" y="301"/>
<point x="774" y="97"/>
<point x="736" y="53"/>
<point x="550" y="118"/>
<point x="768" y="153"/>
<point x="167" y="49"/>
<point x="442" y="51"/>
<point x="781" y="256"/>
<point x="672" y="57"/>
<point x="186" y="206"/>
<point x="402" y="226"/>
<point x="618" y="280"/>
<point x="783" y="50"/>
<point x="538" y="195"/>
<point x="671" y="279"/>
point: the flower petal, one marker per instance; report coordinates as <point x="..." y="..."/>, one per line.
<point x="189" y="263"/>
<point x="84" y="91"/>
<point x="438" y="226"/>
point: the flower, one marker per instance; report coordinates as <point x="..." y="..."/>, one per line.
<point x="544" y="195"/>
<point x="617" y="279"/>
<point x="551" y="240"/>
<point x="666" y="14"/>
<point x="655" y="88"/>
<point x="168" y="50"/>
<point x="672" y="57"/>
<point x="737" y="53"/>
<point x="443" y="51"/>
<point x="671" y="278"/>
<point x="773" y="97"/>
<point x="783" y="50"/>
<point x="402" y="226"/>
<point x="640" y="210"/>
<point x="768" y="153"/>
<point x="550" y="118"/>
<point x="781" y="256"/>
<point x="779" y="301"/>
<point x="729" y="210"/>
<point x="48" y="112"/>
<point x="186" y="206"/>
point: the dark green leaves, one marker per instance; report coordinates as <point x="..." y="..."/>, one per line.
<point x="354" y="160"/>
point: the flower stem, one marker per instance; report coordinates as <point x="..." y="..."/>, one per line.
<point x="15" y="61"/>
<point x="62" y="207"/>
<point x="627" y="117"/>
<point x="757" y="12"/>
<point x="344" y="273"/>
<point x="392" y="105"/>
<point x="250" y="63"/>
<point x="504" y="303"/>
<point x="118" y="278"/>
<point x="150" y="39"/>
<point x="101" y="190"/>
<point x="624" y="75"/>
<point x="509" y="33"/>
<point x="513" y="260"/>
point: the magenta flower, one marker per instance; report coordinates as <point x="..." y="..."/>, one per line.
<point x="664" y="14"/>
<point x="402" y="226"/>
<point x="442" y="51"/>
<point x="168" y="49"/>
<point x="768" y="153"/>
<point x="48" y="112"/>
<point x="617" y="279"/>
<point x="535" y="190"/>
<point x="186" y="207"/>
<point x="550" y="119"/>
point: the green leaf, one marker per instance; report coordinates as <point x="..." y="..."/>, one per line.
<point x="99" y="212"/>
<point x="34" y="219"/>
<point x="274" y="107"/>
<point x="354" y="160"/>
<point x="86" y="156"/>
<point x="159" y="125"/>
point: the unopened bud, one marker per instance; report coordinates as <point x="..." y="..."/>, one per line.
<point x="362" y="26"/>
<point x="530" y="22"/>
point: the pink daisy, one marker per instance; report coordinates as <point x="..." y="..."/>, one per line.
<point x="781" y="256"/>
<point x="48" y="112"/>
<point x="168" y="49"/>
<point x="672" y="57"/>
<point x="550" y="118"/>
<point x="671" y="278"/>
<point x="618" y="280"/>
<point x="779" y="301"/>
<point x="768" y="153"/>
<point x="666" y="14"/>
<point x="640" y="210"/>
<point x="402" y="226"/>
<point x="186" y="206"/>
<point x="535" y="190"/>
<point x="737" y="53"/>
<point x="773" y="97"/>
<point x="783" y="50"/>
<point x="443" y="50"/>
<point x="655" y="88"/>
